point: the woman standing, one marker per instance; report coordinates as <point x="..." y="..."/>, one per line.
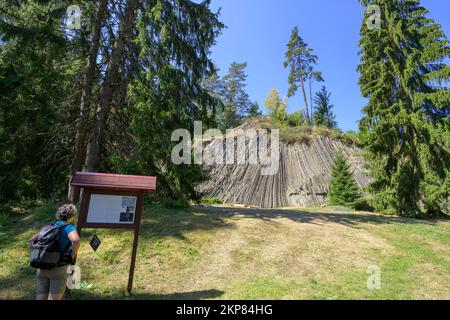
<point x="51" y="283"/>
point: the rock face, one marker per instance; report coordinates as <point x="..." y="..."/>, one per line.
<point x="302" y="179"/>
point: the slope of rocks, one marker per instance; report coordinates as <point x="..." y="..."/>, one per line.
<point x="302" y="179"/>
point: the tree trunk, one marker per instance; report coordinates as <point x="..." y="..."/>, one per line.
<point x="86" y="96"/>
<point x="306" y="100"/>
<point x="104" y="106"/>
<point x="311" y="100"/>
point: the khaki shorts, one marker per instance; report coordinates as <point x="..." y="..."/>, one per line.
<point x="52" y="281"/>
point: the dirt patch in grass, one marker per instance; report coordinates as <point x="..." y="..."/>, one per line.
<point x="437" y="280"/>
<point x="322" y="249"/>
<point x="283" y="248"/>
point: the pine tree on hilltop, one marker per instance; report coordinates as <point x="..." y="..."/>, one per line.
<point x="301" y="60"/>
<point x="343" y="189"/>
<point x="405" y="127"/>
<point x="235" y="99"/>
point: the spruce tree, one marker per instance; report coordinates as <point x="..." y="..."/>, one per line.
<point x="323" y="116"/>
<point x="315" y="76"/>
<point x="405" y="124"/>
<point x="175" y="38"/>
<point x="254" y="110"/>
<point x="37" y="73"/>
<point x="343" y="189"/>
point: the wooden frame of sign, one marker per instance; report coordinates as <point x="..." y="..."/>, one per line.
<point x="112" y="201"/>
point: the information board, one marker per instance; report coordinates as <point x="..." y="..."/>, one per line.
<point x="112" y="201"/>
<point x="111" y="209"/>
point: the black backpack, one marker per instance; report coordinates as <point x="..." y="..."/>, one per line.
<point x="44" y="252"/>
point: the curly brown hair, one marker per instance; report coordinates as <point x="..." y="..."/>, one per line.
<point x="66" y="212"/>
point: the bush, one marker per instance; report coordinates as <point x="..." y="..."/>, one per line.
<point x="175" y="203"/>
<point x="364" y="205"/>
<point x="296" y="119"/>
<point x="305" y="133"/>
<point x="211" y="201"/>
<point x="4" y="220"/>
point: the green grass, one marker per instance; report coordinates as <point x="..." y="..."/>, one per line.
<point x="305" y="133"/>
<point x="239" y="253"/>
<point x="211" y="201"/>
<point x="265" y="287"/>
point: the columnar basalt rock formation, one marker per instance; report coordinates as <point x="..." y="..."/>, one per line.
<point x="302" y="179"/>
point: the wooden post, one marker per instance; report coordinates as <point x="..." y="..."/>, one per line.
<point x="139" y="209"/>
<point x="133" y="260"/>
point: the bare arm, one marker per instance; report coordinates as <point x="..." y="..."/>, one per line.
<point x="73" y="236"/>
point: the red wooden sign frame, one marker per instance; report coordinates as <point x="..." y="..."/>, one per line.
<point x="116" y="185"/>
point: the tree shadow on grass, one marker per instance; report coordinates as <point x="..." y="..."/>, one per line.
<point x="350" y="219"/>
<point x="23" y="281"/>
<point x="21" y="285"/>
<point x="193" y="295"/>
<point x="158" y="224"/>
<point x="17" y="226"/>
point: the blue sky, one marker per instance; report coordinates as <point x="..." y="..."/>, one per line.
<point x="258" y="30"/>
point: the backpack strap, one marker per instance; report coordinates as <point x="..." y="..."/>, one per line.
<point x="61" y="226"/>
<point x="65" y="224"/>
<point x="62" y="261"/>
